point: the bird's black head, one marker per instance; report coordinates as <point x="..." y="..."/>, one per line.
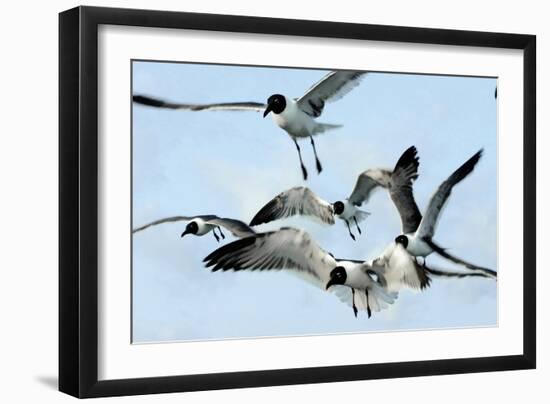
<point x="338" y="207"/>
<point x="338" y="276"/>
<point x="276" y="104"/>
<point x="403" y="240"/>
<point x="191" y="228"/>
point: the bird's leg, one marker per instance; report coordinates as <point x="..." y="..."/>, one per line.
<point x="368" y="305"/>
<point x="215" y="235"/>
<point x="317" y="162"/>
<point x="304" y="171"/>
<point x="353" y="306"/>
<point x="357" y="225"/>
<point x="349" y="229"/>
<point x="221" y="233"/>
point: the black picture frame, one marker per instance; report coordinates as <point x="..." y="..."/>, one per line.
<point x="78" y="201"/>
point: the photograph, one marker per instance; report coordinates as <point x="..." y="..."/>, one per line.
<point x="277" y="201"/>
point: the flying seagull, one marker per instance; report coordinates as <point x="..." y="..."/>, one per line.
<point x="418" y="231"/>
<point x="294" y="250"/>
<point x="303" y="201"/>
<point x="295" y="116"/>
<point x="200" y="225"/>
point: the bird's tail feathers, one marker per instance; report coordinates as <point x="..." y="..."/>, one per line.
<point x="323" y="127"/>
<point x="379" y="298"/>
<point x="361" y="215"/>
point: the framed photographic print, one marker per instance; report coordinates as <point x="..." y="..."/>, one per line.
<point x="251" y="201"/>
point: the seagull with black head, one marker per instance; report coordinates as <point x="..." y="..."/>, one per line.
<point x="203" y="224"/>
<point x="294" y="250"/>
<point x="296" y="116"/>
<point x="303" y="201"/>
<point x="418" y="231"/>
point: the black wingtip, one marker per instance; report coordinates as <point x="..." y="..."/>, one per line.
<point x="466" y="168"/>
<point x="256" y="221"/>
<point x="266" y="214"/>
<point x="409" y="157"/>
<point x="151" y="102"/>
<point x="222" y="258"/>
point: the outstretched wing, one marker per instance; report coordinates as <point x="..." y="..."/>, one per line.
<point x="236" y="227"/>
<point x="331" y="88"/>
<point x="295" y="201"/>
<point x="222" y="106"/>
<point x="401" y="191"/>
<point x="427" y="226"/>
<point x="366" y="183"/>
<point x="287" y="248"/>
<point x="164" y="220"/>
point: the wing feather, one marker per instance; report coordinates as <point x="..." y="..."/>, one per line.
<point x="295" y="201"/>
<point x="331" y="88"/>
<point x="401" y="190"/>
<point x="427" y="226"/>
<point x="163" y="220"/>
<point x="441" y="251"/>
<point x="236" y="227"/>
<point x="367" y="182"/>
<point x="286" y="248"/>
<point x="222" y="106"/>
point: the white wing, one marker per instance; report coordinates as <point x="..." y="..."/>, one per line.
<point x="236" y="227"/>
<point x="286" y="248"/>
<point x="166" y="220"/>
<point x="222" y="106"/>
<point x="427" y="226"/>
<point x="331" y="88"/>
<point x="295" y="201"/>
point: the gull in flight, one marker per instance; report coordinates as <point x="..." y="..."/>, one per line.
<point x="365" y="286"/>
<point x="296" y="116"/>
<point x="418" y="231"/>
<point x="303" y="201"/>
<point x="201" y="225"/>
<point x="294" y="250"/>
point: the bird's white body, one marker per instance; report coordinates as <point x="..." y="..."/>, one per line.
<point x="376" y="297"/>
<point x="418" y="247"/>
<point x="295" y="121"/>
<point x="350" y="211"/>
<point x="357" y="276"/>
<point x="204" y="227"/>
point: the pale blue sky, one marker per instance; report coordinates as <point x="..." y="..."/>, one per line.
<point x="232" y="163"/>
